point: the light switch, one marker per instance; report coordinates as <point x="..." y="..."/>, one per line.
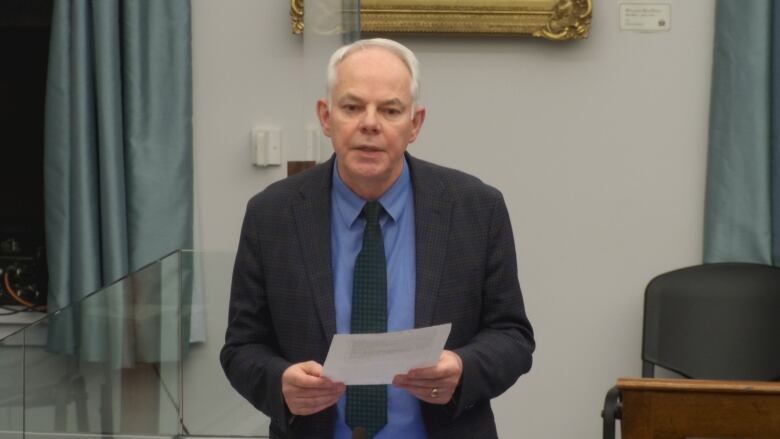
<point x="318" y="146"/>
<point x="266" y="147"/>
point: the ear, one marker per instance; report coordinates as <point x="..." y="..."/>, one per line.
<point x="323" y="114"/>
<point x="417" y="122"/>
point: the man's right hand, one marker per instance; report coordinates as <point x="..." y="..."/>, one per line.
<point x="306" y="392"/>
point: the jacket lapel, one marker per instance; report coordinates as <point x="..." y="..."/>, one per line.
<point x="312" y="220"/>
<point x="432" y="210"/>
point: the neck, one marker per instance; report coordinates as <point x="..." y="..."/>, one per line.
<point x="367" y="190"/>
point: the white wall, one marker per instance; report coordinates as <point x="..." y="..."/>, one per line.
<point x="599" y="147"/>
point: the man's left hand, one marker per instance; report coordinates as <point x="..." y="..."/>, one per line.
<point x="435" y="384"/>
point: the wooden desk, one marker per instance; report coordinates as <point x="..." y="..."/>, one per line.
<point x="677" y="408"/>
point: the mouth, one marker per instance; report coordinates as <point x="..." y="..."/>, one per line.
<point x="368" y="148"/>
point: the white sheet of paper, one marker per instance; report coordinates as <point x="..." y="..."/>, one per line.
<point x="377" y="358"/>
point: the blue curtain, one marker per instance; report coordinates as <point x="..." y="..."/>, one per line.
<point x="117" y="159"/>
<point x="742" y="218"/>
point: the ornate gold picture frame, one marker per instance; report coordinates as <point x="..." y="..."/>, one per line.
<point x="550" y="19"/>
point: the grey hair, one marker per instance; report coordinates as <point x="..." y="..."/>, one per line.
<point x="401" y="51"/>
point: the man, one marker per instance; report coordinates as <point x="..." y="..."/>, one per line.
<point x="445" y="252"/>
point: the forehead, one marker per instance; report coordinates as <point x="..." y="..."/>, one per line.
<point x="375" y="68"/>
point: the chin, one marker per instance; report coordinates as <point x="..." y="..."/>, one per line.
<point x="367" y="169"/>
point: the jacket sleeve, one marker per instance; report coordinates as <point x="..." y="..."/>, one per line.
<point x="250" y="356"/>
<point x="502" y="349"/>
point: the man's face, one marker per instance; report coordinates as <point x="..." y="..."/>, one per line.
<point x="370" y="120"/>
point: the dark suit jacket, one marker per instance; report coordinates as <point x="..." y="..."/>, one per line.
<point x="282" y="307"/>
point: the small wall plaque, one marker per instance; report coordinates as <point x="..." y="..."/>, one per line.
<point x="645" y="17"/>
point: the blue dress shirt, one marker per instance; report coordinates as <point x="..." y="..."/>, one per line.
<point x="404" y="419"/>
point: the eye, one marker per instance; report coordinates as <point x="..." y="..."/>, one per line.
<point x="391" y="111"/>
<point x="350" y="108"/>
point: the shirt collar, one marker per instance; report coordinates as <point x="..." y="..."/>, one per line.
<point x="349" y="205"/>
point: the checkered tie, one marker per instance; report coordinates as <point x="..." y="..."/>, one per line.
<point x="367" y="405"/>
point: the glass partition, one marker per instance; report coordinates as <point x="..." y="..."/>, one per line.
<point x="136" y="359"/>
<point x="106" y="365"/>
<point x="12" y="386"/>
<point x="328" y="24"/>
<point x="210" y="406"/>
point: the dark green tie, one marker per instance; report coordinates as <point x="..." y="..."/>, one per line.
<point x="367" y="405"/>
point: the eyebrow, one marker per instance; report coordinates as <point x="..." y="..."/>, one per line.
<point x="394" y="101"/>
<point x="350" y="97"/>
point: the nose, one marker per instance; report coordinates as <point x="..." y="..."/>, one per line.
<point x="369" y="124"/>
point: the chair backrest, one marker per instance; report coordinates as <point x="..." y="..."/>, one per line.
<point x="714" y="321"/>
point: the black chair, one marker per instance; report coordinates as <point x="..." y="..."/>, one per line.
<point x="710" y="321"/>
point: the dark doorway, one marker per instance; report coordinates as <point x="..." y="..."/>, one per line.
<point x="25" y="27"/>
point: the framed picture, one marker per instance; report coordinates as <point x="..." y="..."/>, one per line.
<point x="551" y="19"/>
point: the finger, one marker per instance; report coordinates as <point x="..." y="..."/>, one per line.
<point x="440" y="371"/>
<point x="313" y="402"/>
<point x="426" y="392"/>
<point x="423" y="387"/>
<point x="304" y="392"/>
<point x="308" y="400"/>
<point x="430" y="384"/>
<point x="299" y="376"/>
<point x="308" y="407"/>
<point x="437" y="372"/>
<point x="443" y="395"/>
<point x="406" y="380"/>
<point x="292" y="392"/>
<point x="450" y="381"/>
<point x="311" y="368"/>
<point x="425" y="373"/>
